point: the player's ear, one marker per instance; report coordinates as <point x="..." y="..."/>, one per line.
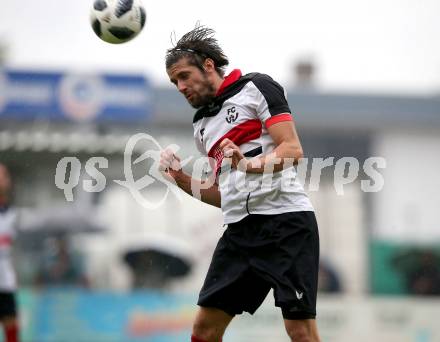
<point x="208" y="65"/>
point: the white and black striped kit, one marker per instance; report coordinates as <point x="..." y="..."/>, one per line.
<point x="8" y="218"/>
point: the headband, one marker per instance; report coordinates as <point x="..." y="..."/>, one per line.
<point x="191" y="51"/>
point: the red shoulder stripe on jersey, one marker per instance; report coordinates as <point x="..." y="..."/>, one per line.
<point x="231" y="78"/>
<point x="240" y="134"/>
<point x="278" y="118"/>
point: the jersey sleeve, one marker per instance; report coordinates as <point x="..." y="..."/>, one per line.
<point x="270" y="101"/>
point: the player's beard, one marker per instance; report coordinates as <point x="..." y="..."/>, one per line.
<point x="205" y="96"/>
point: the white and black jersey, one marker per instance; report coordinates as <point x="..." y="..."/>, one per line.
<point x="8" y="220"/>
<point x="245" y="106"/>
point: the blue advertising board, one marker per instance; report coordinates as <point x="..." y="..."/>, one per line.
<point x="30" y="95"/>
<point x="75" y="315"/>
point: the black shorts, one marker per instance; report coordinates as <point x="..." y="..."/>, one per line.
<point x="7" y="305"/>
<point x="261" y="252"/>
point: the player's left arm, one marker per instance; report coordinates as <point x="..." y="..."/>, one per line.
<point x="288" y="147"/>
<point x="287" y="152"/>
<point x="271" y="107"/>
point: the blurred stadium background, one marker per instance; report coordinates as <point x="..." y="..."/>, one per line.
<point x="104" y="268"/>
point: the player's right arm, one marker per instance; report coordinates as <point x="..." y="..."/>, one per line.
<point x="205" y="191"/>
<point x="209" y="195"/>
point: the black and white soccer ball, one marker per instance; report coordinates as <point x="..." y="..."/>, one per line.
<point x="117" y="21"/>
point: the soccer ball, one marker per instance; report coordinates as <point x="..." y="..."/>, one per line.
<point x="117" y="21"/>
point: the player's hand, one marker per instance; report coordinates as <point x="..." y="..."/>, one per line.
<point x="232" y="151"/>
<point x="169" y="163"/>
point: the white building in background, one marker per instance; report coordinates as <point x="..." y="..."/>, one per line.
<point x="405" y="131"/>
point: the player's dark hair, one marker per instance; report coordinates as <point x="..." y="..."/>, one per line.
<point x="197" y="45"/>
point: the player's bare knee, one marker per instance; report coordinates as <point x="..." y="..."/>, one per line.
<point x="206" y="331"/>
<point x="300" y="338"/>
<point x="207" y="335"/>
<point x="300" y="334"/>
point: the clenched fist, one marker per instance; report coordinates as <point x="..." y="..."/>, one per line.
<point x="169" y="163"/>
<point x="232" y="151"/>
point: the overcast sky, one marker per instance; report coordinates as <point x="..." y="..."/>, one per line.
<point x="377" y="45"/>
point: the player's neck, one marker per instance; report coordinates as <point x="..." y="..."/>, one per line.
<point x="217" y="83"/>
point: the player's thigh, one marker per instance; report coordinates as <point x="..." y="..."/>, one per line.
<point x="302" y="329"/>
<point x="212" y="320"/>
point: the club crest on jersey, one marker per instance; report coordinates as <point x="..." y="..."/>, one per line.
<point x="231" y="115"/>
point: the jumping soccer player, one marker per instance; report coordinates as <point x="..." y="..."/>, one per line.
<point x="8" y="311"/>
<point x="271" y="241"/>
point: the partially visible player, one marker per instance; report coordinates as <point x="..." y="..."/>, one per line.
<point x="8" y="283"/>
